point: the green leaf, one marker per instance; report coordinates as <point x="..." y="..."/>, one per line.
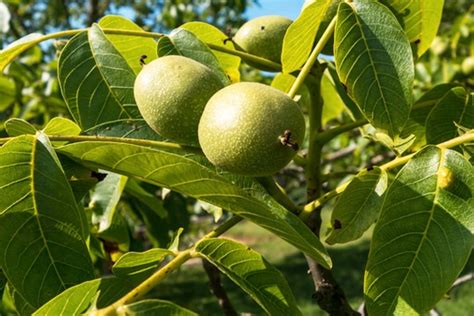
<point x="166" y="47"/>
<point x="358" y="207"/>
<point x="104" y="199"/>
<point x="17" y="47"/>
<point x="7" y="92"/>
<point x="416" y="124"/>
<point x="137" y="262"/>
<point x="17" y="127"/>
<point x="134" y="189"/>
<point x="209" y="34"/>
<point x="455" y="108"/>
<point x="300" y="36"/>
<point x="374" y="61"/>
<point x="423" y="237"/>
<point x="283" y="82"/>
<point x="352" y="109"/>
<point x="61" y="126"/>
<point x="96" y="81"/>
<point x="136" y="128"/>
<point x="42" y="232"/>
<point x="132" y="48"/>
<point x="189" y="45"/>
<point x="249" y="270"/>
<point x="92" y="294"/>
<point x="189" y="174"/>
<point x="155" y="308"/>
<point x="333" y="104"/>
<point x="420" y="20"/>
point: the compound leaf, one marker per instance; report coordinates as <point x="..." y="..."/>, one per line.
<point x="190" y="174"/>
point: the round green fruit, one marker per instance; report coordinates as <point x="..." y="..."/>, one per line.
<point x="171" y="93"/>
<point x="263" y="37"/>
<point x="251" y="129"/>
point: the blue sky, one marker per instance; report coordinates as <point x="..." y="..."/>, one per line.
<point x="288" y="8"/>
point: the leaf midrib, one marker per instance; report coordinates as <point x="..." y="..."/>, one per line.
<point x="372" y="65"/>
<point x="425" y="232"/>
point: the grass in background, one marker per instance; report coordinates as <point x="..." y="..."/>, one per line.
<point x="188" y="287"/>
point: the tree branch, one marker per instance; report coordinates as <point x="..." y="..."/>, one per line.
<point x="214" y="276"/>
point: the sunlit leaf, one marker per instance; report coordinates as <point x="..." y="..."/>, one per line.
<point x="420" y="20"/>
<point x="300" y="36"/>
<point x="42" y="232"/>
<point x="374" y="61"/>
<point x="61" y="126"/>
<point x="424" y="235"/>
<point x="96" y="81"/>
<point x="132" y="48"/>
<point x="138" y="262"/>
<point x="136" y="128"/>
<point x="17" y="127"/>
<point x="192" y="175"/>
<point x="17" y="47"/>
<point x="248" y="269"/>
<point x="155" y="308"/>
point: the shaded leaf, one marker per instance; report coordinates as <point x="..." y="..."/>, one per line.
<point x="136" y="128"/>
<point x="333" y="104"/>
<point x="192" y="175"/>
<point x="423" y="237"/>
<point x="104" y="199"/>
<point x="300" y="36"/>
<point x="416" y="124"/>
<point x="155" y="308"/>
<point x="132" y="48"/>
<point x="455" y="108"/>
<point x="95" y="80"/>
<point x="134" y="189"/>
<point x="374" y="60"/>
<point x="137" y="262"/>
<point x="249" y="270"/>
<point x="42" y="232"/>
<point x="358" y="207"/>
<point x="420" y="20"/>
<point x="189" y="45"/>
<point x="166" y="47"/>
<point x="209" y="34"/>
<point x="7" y="92"/>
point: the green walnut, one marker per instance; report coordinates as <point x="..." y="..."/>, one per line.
<point x="263" y="37"/>
<point x="171" y="93"/>
<point x="251" y="129"/>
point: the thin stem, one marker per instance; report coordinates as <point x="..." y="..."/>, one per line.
<point x="312" y="59"/>
<point x="246" y="56"/>
<point x="278" y="193"/>
<point x="314" y="205"/>
<point x="145" y="287"/>
<point x="326" y="136"/>
<point x="133" y="141"/>
<point x="214" y="276"/>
